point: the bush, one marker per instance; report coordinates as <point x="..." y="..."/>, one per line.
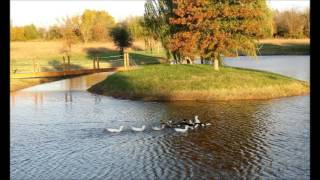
<point x="121" y="37"/>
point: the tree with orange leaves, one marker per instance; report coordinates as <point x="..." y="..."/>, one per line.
<point x="216" y="28"/>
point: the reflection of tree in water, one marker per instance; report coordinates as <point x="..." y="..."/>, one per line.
<point x="235" y="142"/>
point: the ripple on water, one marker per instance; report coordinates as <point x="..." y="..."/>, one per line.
<point x="55" y="139"/>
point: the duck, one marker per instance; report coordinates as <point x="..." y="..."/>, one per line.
<point x="159" y="128"/>
<point x="196" y="120"/>
<point x="185" y="123"/>
<point x="138" y="129"/>
<point x="182" y="130"/>
<point x="168" y="124"/>
<point x="191" y="123"/>
<point x="115" y="130"/>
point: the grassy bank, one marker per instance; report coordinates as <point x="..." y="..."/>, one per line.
<point x="198" y="82"/>
<point x="285" y="47"/>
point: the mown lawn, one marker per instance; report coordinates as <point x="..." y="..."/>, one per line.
<point x="198" y="82"/>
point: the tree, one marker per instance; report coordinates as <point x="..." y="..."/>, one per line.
<point x="102" y="24"/>
<point x="68" y="29"/>
<point x="41" y="33"/>
<point x="17" y="34"/>
<point x="291" y="23"/>
<point x="30" y="32"/>
<point x="53" y="33"/>
<point x="121" y="37"/>
<point x="95" y="25"/>
<point x="156" y="22"/>
<point x="218" y="28"/>
<point x="135" y="26"/>
<point x="306" y="28"/>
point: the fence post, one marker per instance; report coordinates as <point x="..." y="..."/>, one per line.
<point x="68" y="62"/>
<point x="125" y="61"/>
<point x="128" y="64"/>
<point x="94" y="63"/>
<point x="98" y="62"/>
<point x="64" y="63"/>
<point x="38" y="67"/>
<point x="34" y="66"/>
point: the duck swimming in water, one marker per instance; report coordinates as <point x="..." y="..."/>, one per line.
<point x="115" y="130"/>
<point x="196" y="120"/>
<point x="138" y="129"/>
<point x="182" y="130"/>
<point x="159" y="128"/>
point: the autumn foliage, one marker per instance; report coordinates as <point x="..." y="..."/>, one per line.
<point x="218" y="28"/>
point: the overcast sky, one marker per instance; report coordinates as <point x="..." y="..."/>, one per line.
<point x="46" y="12"/>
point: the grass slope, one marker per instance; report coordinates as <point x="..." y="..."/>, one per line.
<point x="198" y="82"/>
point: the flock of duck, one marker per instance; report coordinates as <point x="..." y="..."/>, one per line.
<point x="182" y="126"/>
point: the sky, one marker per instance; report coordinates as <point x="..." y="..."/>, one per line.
<point x="46" y="12"/>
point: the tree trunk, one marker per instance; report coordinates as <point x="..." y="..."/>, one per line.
<point x="216" y="64"/>
<point x="201" y="58"/>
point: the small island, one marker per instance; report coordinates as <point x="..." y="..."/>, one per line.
<point x="166" y="82"/>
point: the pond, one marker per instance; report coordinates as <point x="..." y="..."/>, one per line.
<point x="57" y="131"/>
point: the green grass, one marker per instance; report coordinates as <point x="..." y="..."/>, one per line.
<point x="285" y="47"/>
<point x="47" y="55"/>
<point x="198" y="82"/>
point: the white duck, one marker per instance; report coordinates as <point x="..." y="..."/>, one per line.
<point x="158" y="128"/>
<point x="115" y="130"/>
<point x="138" y="129"/>
<point x="182" y="130"/>
<point x="196" y="120"/>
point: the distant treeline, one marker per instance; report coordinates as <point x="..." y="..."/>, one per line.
<point x="95" y="26"/>
<point x="291" y="24"/>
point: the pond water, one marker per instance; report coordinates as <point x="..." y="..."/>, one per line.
<point x="57" y="132"/>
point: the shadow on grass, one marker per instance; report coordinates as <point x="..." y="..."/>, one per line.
<point x="58" y="66"/>
<point x="100" y="52"/>
<point x="136" y="48"/>
<point x="139" y="58"/>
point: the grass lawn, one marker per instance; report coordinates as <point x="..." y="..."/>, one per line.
<point x="47" y="55"/>
<point x="198" y="82"/>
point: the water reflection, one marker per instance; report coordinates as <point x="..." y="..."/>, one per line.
<point x="68" y="96"/>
